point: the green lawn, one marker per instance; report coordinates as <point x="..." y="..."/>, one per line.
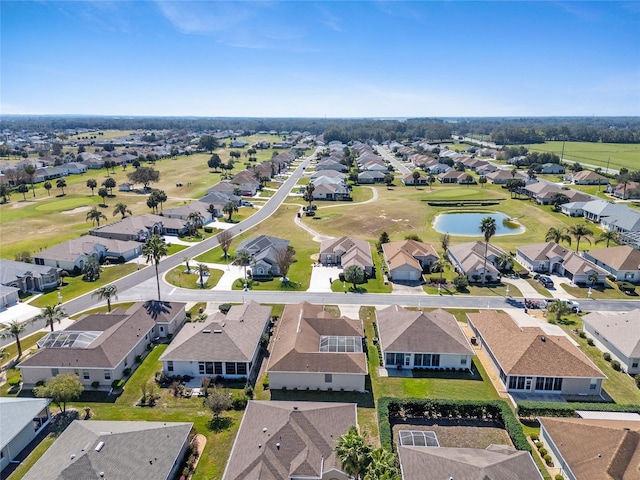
<point x="617" y="154"/>
<point x="178" y="277"/>
<point x="75" y="286"/>
<point x="602" y="292"/>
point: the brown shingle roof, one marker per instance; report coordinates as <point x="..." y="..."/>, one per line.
<point x="529" y="350"/>
<point x="623" y="257"/>
<point x="404" y="252"/>
<point x="278" y="440"/>
<point x="597" y="449"/>
<point x="297" y="344"/>
<point x="403" y="330"/>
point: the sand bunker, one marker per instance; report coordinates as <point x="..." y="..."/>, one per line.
<point x="76" y="210"/>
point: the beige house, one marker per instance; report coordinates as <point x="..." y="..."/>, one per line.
<point x="407" y="259"/>
<point x="99" y="347"/>
<point x="623" y="262"/>
<point x="593" y="449"/>
<point x="416" y="339"/>
<point x="346" y="251"/>
<point x="314" y="350"/>
<point x="290" y="440"/>
<point x="587" y="177"/>
<point x="469" y="259"/>
<point x="223" y="345"/>
<point x="528" y="360"/>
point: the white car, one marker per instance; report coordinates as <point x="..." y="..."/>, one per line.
<point x="575" y="306"/>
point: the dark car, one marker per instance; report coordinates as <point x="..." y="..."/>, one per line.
<point x="545" y="281"/>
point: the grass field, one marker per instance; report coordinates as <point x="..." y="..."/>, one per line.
<point x="617" y="154"/>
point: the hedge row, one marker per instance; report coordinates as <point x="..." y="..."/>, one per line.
<point x="561" y="409"/>
<point x="432" y="408"/>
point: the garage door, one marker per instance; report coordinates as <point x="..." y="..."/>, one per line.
<point x="405" y="275"/>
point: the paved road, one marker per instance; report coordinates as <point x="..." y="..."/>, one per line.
<point x="394" y="161"/>
<point x="148" y="273"/>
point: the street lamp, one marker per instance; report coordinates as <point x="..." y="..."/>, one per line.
<point x="59" y="297"/>
<point x="507" y="291"/>
<point x="589" y="293"/>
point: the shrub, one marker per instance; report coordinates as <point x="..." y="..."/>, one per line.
<point x="638" y="380"/>
<point x="265" y="382"/>
<point x="117" y="384"/>
<point x="590" y="342"/>
<point x="460" y="282"/>
<point x="615" y="364"/>
<point x="543" y="452"/>
<point x="126" y="372"/>
<point x="14" y="377"/>
<point x="224" y="307"/>
<point x="548" y="460"/>
<point x="534" y="437"/>
<point x="606" y="356"/>
<point x="208" y="229"/>
<point x="239" y="402"/>
<point x="582" y="334"/>
<point x="248" y="391"/>
<point x="539" y="445"/>
<point x="138" y="359"/>
<point x="95" y="384"/>
<point x="527" y="409"/>
<point x="558" y="477"/>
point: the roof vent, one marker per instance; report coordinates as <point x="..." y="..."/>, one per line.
<point x="543" y="338"/>
<point x="295" y="407"/>
<point x="278" y="445"/>
<point x="206" y="331"/>
<point x="73" y="455"/>
<point x="99" y="446"/>
<point x="264" y="430"/>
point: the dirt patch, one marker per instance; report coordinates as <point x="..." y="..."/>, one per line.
<point x="76" y="210"/>
<point x="458" y="433"/>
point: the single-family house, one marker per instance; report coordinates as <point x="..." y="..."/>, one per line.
<point x="581" y="271"/>
<point x="73" y="254"/>
<point x="625" y="191"/>
<point x="502" y="176"/>
<point x="280" y="440"/>
<point x="125" y="187"/>
<point x="542" y="257"/>
<point x="313" y="349"/>
<point x="415" y="339"/>
<point x="28" y="277"/>
<point x="9" y="296"/>
<point x="115" y="450"/>
<point x="75" y="168"/>
<point x="597" y="210"/>
<point x="469" y="259"/>
<point x="495" y="462"/>
<point x="330" y="191"/>
<point x="408" y="259"/>
<point x="453" y="176"/>
<point x="100" y="346"/>
<point x="589" y="449"/>
<point x="247" y="183"/>
<point x="226" y="187"/>
<point x="346" y="251"/>
<point x="573" y="209"/>
<point x="183" y="212"/>
<point x="617" y="333"/>
<point x="263" y="251"/>
<point x="141" y="227"/>
<point x="438" y="168"/>
<point x="22" y="419"/>
<point x="238" y="144"/>
<point x="409" y="180"/>
<point x="225" y="346"/>
<point x="528" y="360"/>
<point x="623" y="262"/>
<point x="587" y="177"/>
<point x="551" y="168"/>
<point x="331" y="165"/>
<point x="543" y="192"/>
<point x="629" y="222"/>
<point x="371" y="176"/>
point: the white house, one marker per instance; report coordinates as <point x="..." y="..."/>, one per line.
<point x="617" y="333"/>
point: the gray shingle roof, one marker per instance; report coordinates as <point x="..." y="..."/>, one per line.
<point x="131" y="450"/>
<point x="620" y="329"/>
<point x="15" y="413"/>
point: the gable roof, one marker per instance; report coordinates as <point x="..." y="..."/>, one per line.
<point x="86" y="245"/>
<point x="597" y="449"/>
<point x="281" y="440"/>
<point x="622" y="257"/>
<point x="353" y="250"/>
<point x="140" y="450"/>
<point x="543" y="251"/>
<point x="620" y="329"/>
<point x="404" y="252"/>
<point x="494" y="463"/>
<point x="529" y="350"/>
<point x="16" y="413"/>
<point x="297" y="344"/>
<point x="470" y="255"/>
<point x="11" y="270"/>
<point x="403" y="330"/>
<point x="118" y="333"/>
<point x="233" y="337"/>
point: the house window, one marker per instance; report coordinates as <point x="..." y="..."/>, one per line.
<point x="209" y="368"/>
<point x="516" y="383"/>
<point x="161" y="329"/>
<point x="593" y="384"/>
<point x="85" y="374"/>
<point x="55" y="371"/>
<point x="201" y="368"/>
<point x="435" y="360"/>
<point x="107" y="374"/>
<point x="231" y="368"/>
<point x="328" y="378"/>
<point x="463" y="361"/>
<point x="391" y="358"/>
<point x="170" y="366"/>
<point x="241" y="368"/>
<point x="218" y="368"/>
<point x="634" y="364"/>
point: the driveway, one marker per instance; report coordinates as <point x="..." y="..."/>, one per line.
<point x="559" y="292"/>
<point x="321" y="278"/>
<point x="409" y="288"/>
<point x="525" y="287"/>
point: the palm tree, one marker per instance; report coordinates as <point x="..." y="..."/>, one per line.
<point x="121" y="209"/>
<point x="106" y="293"/>
<point x="558" y="309"/>
<point x="30" y="172"/>
<point x="50" y="314"/>
<point x="243" y="259"/>
<point x="95" y="216"/>
<point x="488" y="228"/>
<point x="440" y="264"/>
<point x="353" y="453"/>
<point x="203" y="270"/>
<point x="154" y="249"/>
<point x="61" y="184"/>
<point x="607" y="236"/>
<point x="186" y="259"/>
<point x="557" y="235"/>
<point x="579" y="232"/>
<point x="593" y="278"/>
<point x="382" y="465"/>
<point x="195" y="220"/>
<point x="47" y="187"/>
<point x="161" y="196"/>
<point x="92" y="184"/>
<point x="229" y="208"/>
<point x="14" y="329"/>
<point x="504" y="262"/>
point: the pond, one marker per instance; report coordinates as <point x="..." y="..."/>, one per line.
<point x="468" y="224"/>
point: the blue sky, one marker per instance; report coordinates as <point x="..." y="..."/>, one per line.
<point x="317" y="59"/>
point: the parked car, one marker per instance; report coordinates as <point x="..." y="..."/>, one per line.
<point x="244" y="203"/>
<point x="575" y="306"/>
<point x="545" y="281"/>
